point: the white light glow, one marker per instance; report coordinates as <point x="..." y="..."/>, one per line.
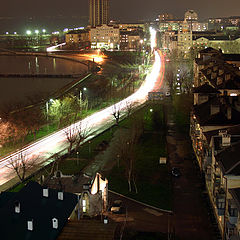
<point x="153" y="38"/>
<point x="46" y="147"/>
<point x="54" y="48"/>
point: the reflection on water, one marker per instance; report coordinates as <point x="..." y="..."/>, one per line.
<point x="39" y="64"/>
<point x="28" y="90"/>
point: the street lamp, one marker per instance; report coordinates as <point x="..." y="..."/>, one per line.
<point x="89" y="148"/>
<point x="28" y="32"/>
<point x="77" y="158"/>
<point x="47" y="109"/>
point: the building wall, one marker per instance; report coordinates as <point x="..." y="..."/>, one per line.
<point x="104" y="37"/>
<point x="184" y="39"/>
<point x="227" y="46"/>
<point x="98" y="12"/>
<point x="77" y="39"/>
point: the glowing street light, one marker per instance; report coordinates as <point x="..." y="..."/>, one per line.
<point x="46" y="147"/>
<point x="28" y="32"/>
<point x="37" y="31"/>
<point x="44" y="30"/>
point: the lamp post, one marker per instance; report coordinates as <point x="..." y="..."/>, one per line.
<point x="77" y="158"/>
<point x="89" y="148"/>
<point x="47" y="111"/>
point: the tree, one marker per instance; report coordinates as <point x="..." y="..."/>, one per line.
<point x="71" y="134"/>
<point x="129" y="107"/>
<point x="116" y="112"/>
<point x="82" y="134"/>
<point x="22" y="165"/>
<point x="126" y="152"/>
<point x="66" y="109"/>
<point x="76" y="133"/>
<point x="4" y="132"/>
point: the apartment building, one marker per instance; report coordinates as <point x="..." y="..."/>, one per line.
<point x="105" y="36"/>
<point x="215" y="134"/>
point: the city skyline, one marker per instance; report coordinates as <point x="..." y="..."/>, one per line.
<point x="125" y="10"/>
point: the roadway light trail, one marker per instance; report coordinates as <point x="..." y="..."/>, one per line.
<point x="57" y="142"/>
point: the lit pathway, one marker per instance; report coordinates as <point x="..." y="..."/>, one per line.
<point x="45" y="148"/>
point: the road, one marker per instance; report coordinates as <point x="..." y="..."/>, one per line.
<point x="57" y="142"/>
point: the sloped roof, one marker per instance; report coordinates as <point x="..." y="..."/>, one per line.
<point x="88" y="229"/>
<point x="209" y="50"/>
<point x="232" y="130"/>
<point x="231" y="57"/>
<point x="235" y="192"/>
<point x="205" y="88"/>
<point x="229" y="159"/>
<point x="41" y="209"/>
<point x="218" y="141"/>
<point x="5" y="197"/>
<point x="204" y="117"/>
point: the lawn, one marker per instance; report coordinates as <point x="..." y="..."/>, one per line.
<point x="153" y="180"/>
<point x="182" y="105"/>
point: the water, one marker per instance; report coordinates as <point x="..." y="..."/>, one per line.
<point x="39" y="65"/>
<point x="24" y="91"/>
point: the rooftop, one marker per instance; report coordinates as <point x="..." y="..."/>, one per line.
<point x="88" y="229"/>
<point x="229" y="159"/>
<point x="33" y="206"/>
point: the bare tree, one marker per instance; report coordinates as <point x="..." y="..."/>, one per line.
<point x="54" y="166"/>
<point x="82" y="134"/>
<point x="116" y="112"/>
<point x="22" y="165"/>
<point x="125" y="149"/>
<point x="76" y="133"/>
<point x="71" y="134"/>
<point x="129" y="107"/>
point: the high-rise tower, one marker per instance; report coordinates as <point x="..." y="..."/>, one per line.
<point x="98" y="12"/>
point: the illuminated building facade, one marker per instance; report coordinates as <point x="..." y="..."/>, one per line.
<point x="104" y="36"/>
<point x="184" y="38"/>
<point x="98" y="12"/>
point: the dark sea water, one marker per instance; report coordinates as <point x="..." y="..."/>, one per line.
<point x="25" y="90"/>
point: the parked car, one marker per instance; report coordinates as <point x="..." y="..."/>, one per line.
<point x="116" y="206"/>
<point x="176" y="172"/>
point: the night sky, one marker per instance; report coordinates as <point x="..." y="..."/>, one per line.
<point x="130" y="10"/>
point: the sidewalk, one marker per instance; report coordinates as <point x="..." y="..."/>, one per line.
<point x="190" y="218"/>
<point x="102" y="163"/>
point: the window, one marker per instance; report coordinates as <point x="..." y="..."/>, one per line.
<point x="221" y="203"/>
<point x="233" y="212"/>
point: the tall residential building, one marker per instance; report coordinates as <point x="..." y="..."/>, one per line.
<point x="98" y="12"/>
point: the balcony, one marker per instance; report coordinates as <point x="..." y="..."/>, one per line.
<point x="220" y="202"/>
<point x="232" y="212"/>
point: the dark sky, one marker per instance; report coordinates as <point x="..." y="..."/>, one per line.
<point x="121" y="9"/>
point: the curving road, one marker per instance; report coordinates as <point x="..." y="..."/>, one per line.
<point x="45" y="148"/>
